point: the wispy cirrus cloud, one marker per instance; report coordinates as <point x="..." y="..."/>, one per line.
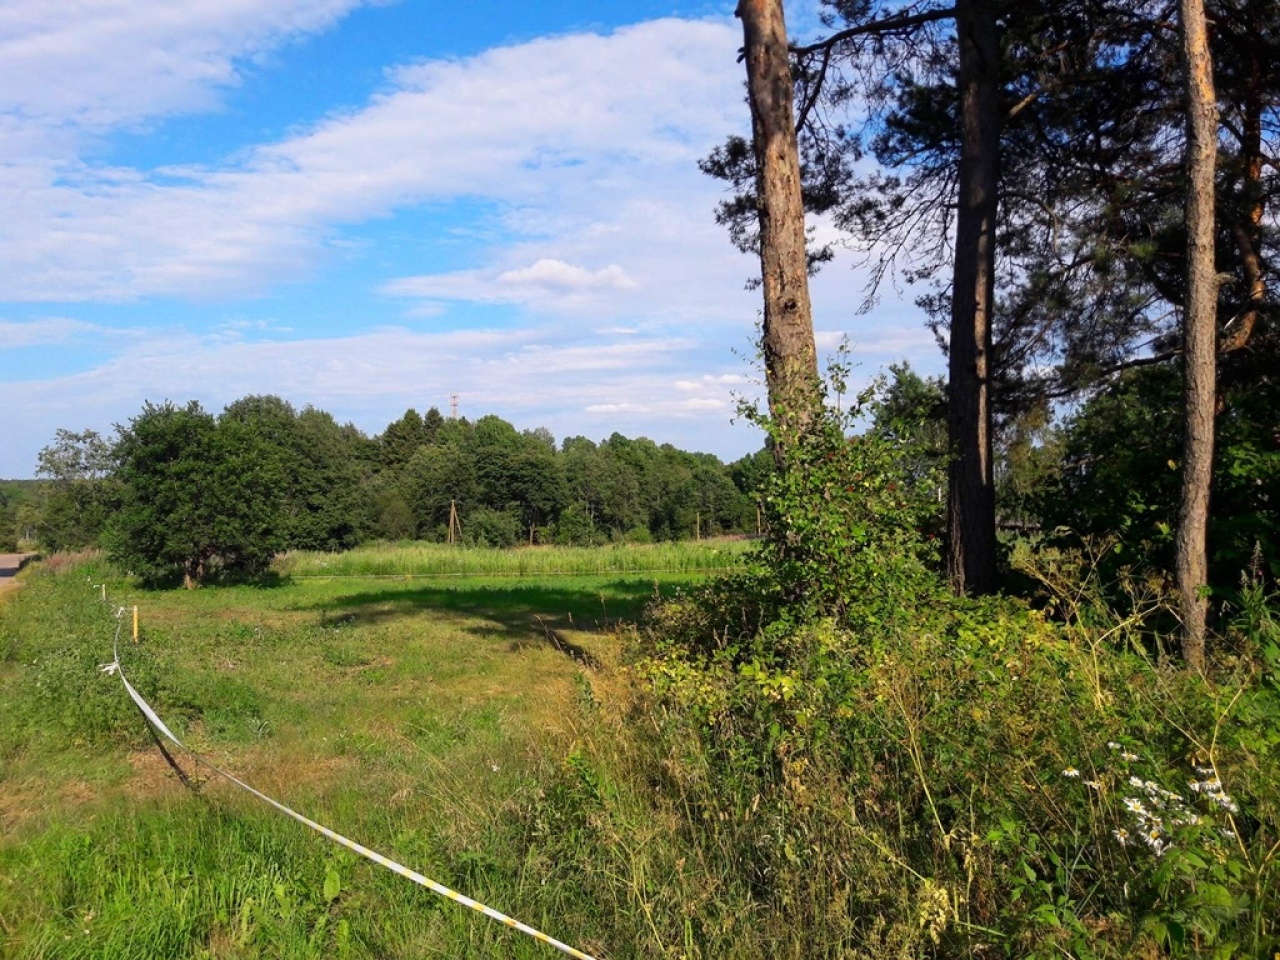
<point x="49" y="331"/>
<point x="533" y="376"/>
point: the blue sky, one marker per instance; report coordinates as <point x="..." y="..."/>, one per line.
<point x="369" y="206"/>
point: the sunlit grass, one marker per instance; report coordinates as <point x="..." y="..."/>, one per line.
<point x="420" y="718"/>
<point x="436" y="559"/>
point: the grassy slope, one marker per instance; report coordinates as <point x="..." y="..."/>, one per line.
<point x="418" y="719"/>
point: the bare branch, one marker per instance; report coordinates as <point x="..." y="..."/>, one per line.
<point x="877" y="28"/>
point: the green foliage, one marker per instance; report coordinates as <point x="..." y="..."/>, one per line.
<point x="849" y="520"/>
<point x="576" y="528"/>
<point x="492" y="528"/>
<point x="185" y="492"/>
<point x="320" y="507"/>
<point x="196" y="493"/>
<point x="1120" y="474"/>
<point x="17" y="512"/>
<point x="77" y="496"/>
<point x="902" y="772"/>
<point x="970" y="774"/>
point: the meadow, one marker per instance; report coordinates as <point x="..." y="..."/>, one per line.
<point x="422" y="718"/>
<point x="442" y="560"/>
<point x="918" y="776"/>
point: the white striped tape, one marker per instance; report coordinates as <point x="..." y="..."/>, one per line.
<point x="422" y="881"/>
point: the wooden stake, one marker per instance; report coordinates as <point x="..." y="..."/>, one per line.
<point x="104" y="592"/>
<point x="697" y="526"/>
<point x="135" y="623"/>
<point x="759" y="522"/>
<point x="455" y="525"/>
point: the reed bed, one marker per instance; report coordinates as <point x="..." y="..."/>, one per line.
<point x="442" y="560"/>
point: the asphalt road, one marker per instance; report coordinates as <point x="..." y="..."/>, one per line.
<point x="11" y="563"/>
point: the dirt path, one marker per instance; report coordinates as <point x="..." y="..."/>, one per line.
<point x="10" y="564"/>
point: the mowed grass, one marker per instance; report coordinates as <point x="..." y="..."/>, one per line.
<point x="442" y="560"/>
<point x="421" y="719"/>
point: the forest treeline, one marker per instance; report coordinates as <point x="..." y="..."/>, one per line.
<point x="179" y="487"/>
<point x="268" y="477"/>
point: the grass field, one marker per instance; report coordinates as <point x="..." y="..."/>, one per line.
<point x="424" y="719"/>
<point x="441" y="560"/>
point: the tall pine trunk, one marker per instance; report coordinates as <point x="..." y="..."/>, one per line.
<point x="1199" y="330"/>
<point x="790" y="357"/>
<point x="971" y="512"/>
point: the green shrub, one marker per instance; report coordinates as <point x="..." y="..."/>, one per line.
<point x="492" y="528"/>
<point x="894" y="771"/>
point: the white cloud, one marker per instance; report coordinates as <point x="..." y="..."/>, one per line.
<point x="580" y="149"/>
<point x="908" y="340"/>
<point x="53" y="330"/>
<point x="554" y="131"/>
<point x="532" y="376"/>
<point x="545" y="283"/>
<point x="558" y="276"/>
<point x="618" y="408"/>
<point x="97" y="64"/>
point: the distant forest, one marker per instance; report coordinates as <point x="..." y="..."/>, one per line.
<point x="262" y="477"/>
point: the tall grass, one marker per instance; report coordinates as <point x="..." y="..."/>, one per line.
<point x="442" y="560"/>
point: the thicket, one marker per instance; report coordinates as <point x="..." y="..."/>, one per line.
<point x="847" y="760"/>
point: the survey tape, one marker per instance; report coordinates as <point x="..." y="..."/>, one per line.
<point x="153" y="718"/>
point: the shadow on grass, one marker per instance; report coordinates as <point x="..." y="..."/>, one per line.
<point x="523" y="611"/>
<point x="168" y="580"/>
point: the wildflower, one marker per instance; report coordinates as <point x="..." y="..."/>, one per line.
<point x="1111" y="744"/>
<point x="1092" y="784"/>
<point x="1225" y="802"/>
<point x="1134" y="805"/>
<point x="1227" y="832"/>
<point x="1122" y="835"/>
<point x="1130" y="757"/>
<point x="1136" y="782"/>
<point x="1071" y="772"/>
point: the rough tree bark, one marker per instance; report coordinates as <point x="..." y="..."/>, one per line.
<point x="790" y="357"/>
<point x="1199" y="329"/>
<point x="971" y="513"/>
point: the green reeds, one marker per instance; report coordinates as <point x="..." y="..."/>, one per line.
<point x="442" y="560"/>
